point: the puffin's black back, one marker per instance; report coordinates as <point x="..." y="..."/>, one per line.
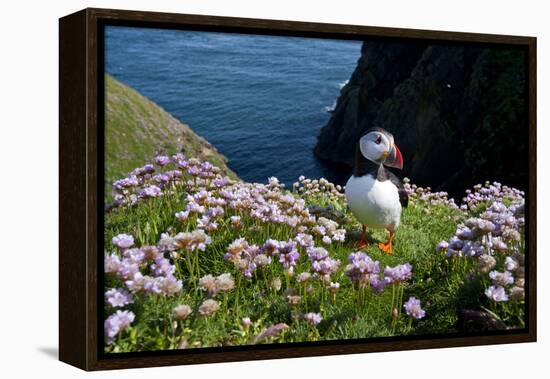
<point x="365" y="167"/>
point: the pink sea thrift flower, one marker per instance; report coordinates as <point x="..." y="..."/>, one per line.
<point x="116" y="323"/>
<point x="398" y="273"/>
<point x="413" y="308"/>
<point x="497" y="294"/>
<point x="313" y="318"/>
<point x="123" y="241"/>
<point x="117" y="297"/>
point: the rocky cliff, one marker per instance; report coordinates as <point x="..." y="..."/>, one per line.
<point x="458" y="113"/>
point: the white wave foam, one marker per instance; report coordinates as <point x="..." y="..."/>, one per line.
<point x="331" y="108"/>
<point x="343" y="84"/>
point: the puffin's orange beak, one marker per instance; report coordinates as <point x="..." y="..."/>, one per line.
<point x="394" y="159"/>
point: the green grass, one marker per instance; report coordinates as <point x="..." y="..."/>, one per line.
<point x="441" y="284"/>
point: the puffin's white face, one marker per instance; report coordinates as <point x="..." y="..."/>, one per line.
<point x="380" y="148"/>
<point x="375" y="146"/>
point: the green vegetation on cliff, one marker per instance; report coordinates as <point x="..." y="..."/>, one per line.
<point x="136" y="129"/>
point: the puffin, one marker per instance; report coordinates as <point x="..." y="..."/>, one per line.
<point x="375" y="195"/>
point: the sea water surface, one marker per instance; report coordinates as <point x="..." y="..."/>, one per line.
<point x="261" y="100"/>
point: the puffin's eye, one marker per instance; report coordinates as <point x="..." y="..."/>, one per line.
<point x="378" y="140"/>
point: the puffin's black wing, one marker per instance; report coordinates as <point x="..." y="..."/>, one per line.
<point x="403" y="196"/>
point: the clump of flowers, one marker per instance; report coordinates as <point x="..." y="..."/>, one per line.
<point x="288" y="255"/>
<point x="328" y="231"/>
<point x="362" y="270"/>
<point x="243" y="256"/>
<point x="181" y="312"/>
<point x="186" y="243"/>
<point x="270" y="333"/>
<point x="413" y="309"/>
<point x="496" y="293"/>
<point x="317" y="254"/>
<point x="209" y="307"/>
<point x="123" y="241"/>
<point x="303" y="277"/>
<point x="224" y="282"/>
<point x="325" y="267"/>
<point x="162" y="160"/>
<point x="266" y="233"/>
<point x="276" y="284"/>
<point x="493" y="238"/>
<point x="245" y="323"/>
<point x="111" y="263"/>
<point x="398" y="274"/>
<point x="501" y="279"/>
<point x="426" y="196"/>
<point x="304" y="240"/>
<point x="213" y="285"/>
<point x="195" y="240"/>
<point x="142" y="270"/>
<point x="517" y="293"/>
<point x="150" y="192"/>
<point x="489" y="192"/>
<point x="313" y="318"/>
<point x="294" y="300"/>
<point x="116" y="323"/>
<point x="486" y="263"/>
<point x="118" y="297"/>
<point x="236" y="222"/>
<point x="318" y="188"/>
<point x="149" y="182"/>
<point x="167" y="286"/>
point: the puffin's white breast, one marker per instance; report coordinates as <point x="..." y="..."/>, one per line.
<point x="374" y="203"/>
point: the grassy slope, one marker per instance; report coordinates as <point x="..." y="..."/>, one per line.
<point x="136" y="129"/>
<point x="423" y="226"/>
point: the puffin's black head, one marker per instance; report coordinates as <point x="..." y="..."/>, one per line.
<point x="377" y="146"/>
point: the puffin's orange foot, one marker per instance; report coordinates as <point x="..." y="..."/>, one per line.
<point x="386" y="247"/>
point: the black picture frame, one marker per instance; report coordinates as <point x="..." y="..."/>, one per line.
<point x="81" y="190"/>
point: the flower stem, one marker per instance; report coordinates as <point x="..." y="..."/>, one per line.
<point x="392" y="301"/>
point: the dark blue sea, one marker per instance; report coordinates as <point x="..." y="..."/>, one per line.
<point x="261" y="100"/>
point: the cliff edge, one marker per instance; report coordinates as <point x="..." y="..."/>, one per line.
<point x="458" y="113"/>
<point x="137" y="129"/>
